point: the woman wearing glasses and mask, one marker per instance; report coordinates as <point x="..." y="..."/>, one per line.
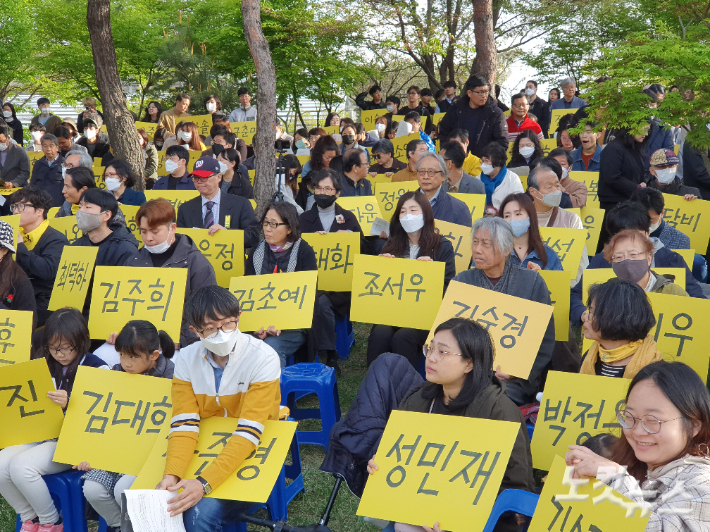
<point x="619" y="320"/>
<point x="383" y="152"/>
<point x="662" y="459"/>
<point x="281" y="251"/>
<point x="460" y="382"/>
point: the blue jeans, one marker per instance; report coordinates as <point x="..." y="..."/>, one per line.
<point x="209" y="515"/>
<point x="287" y="343"/>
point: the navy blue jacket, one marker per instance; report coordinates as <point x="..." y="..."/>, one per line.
<point x="49" y="178"/>
<point x="450" y="209"/>
<point x="658" y="137"/>
<point x="663" y="258"/>
<point x="350" y="188"/>
<point x="132" y="197"/>
<point x="185" y="183"/>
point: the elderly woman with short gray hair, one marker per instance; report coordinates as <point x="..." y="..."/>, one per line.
<point x="432" y="174"/>
<point x="568" y="100"/>
<point x="492" y="244"/>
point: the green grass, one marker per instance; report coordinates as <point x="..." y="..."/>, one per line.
<point x="306" y="508"/>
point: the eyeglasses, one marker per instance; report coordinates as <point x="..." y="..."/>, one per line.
<point x="432" y="349"/>
<point x="273" y="225"/>
<point x="68" y="166"/>
<point x="20" y="207"/>
<point x="634" y="255"/>
<point x="428" y="173"/>
<point x="378" y="156"/>
<point x="198" y="179"/>
<point x="481" y="93"/>
<point x="66" y="351"/>
<point x="209" y="332"/>
<point x="325" y="190"/>
<point x="650" y="424"/>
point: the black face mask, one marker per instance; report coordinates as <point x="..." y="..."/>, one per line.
<point x="217" y="149"/>
<point x="324" y="200"/>
<point x="348" y="139"/>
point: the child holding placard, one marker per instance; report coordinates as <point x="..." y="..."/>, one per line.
<point x="144" y="351"/>
<point x="64" y="344"/>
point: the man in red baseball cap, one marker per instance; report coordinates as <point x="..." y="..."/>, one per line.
<point x="214" y="209"/>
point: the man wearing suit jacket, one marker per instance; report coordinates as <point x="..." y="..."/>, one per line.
<point x="216" y="210"/>
<point x="458" y="180"/>
<point x="431" y="174"/>
<point x="14" y="161"/>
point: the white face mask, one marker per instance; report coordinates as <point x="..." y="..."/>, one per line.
<point x="666" y="176"/>
<point x="527" y="151"/>
<point x="7" y="114"/>
<point x="112" y="183"/>
<point x="44" y="111"/>
<point x="89" y="133"/>
<point x="565" y="173"/>
<point x="185" y="136"/>
<point x="211" y="107"/>
<point x="529" y="92"/>
<point x="170" y="166"/>
<point x="159" y="248"/>
<point x="3" y="147"/>
<point x="412" y="223"/>
<point x="655" y="226"/>
<point x="486" y="168"/>
<point x="36" y="135"/>
<point x="390" y="108"/>
<point x="222" y="343"/>
<point x="380" y="128"/>
<point x="64" y="172"/>
<point x="222" y="167"/>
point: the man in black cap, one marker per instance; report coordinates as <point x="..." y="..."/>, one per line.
<point x="216" y="210"/>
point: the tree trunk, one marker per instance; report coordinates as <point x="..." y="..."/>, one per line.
<point x="264" y="180"/>
<point x="486" y="60"/>
<point x="119" y="121"/>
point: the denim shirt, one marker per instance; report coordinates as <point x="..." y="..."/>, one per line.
<point x="553" y="261"/>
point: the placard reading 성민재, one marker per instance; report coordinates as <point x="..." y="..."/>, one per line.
<point x="517" y="326"/>
<point x="124" y="293"/>
<point x="568" y="244"/>
<point x="26" y="413"/>
<point x="253" y="480"/>
<point x="398" y="292"/>
<point x="284" y="300"/>
<point x="111" y="412"/>
<point x="438" y="468"/>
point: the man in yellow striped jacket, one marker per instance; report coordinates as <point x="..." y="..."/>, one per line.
<point x="226" y="374"/>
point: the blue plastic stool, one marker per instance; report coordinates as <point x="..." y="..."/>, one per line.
<point x="344" y="336"/>
<point x="531" y="429"/>
<point x="312" y="378"/>
<point x="519" y="501"/>
<point x="68" y="497"/>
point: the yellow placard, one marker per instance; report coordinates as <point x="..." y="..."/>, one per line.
<point x="398" y="292"/>
<point x="26" y="412"/>
<point x="558" y="284"/>
<point x="8" y="191"/>
<point x="388" y="195"/>
<point x="71" y="284"/>
<point x="692" y="218"/>
<point x="176" y="197"/>
<point x="438" y="468"/>
<point x="99" y="176"/>
<point x="365" y="209"/>
<point x="15" y="336"/>
<point x="681" y="330"/>
<point x="591" y="179"/>
<point x="476" y="203"/>
<point x="517" y="326"/>
<point x="161" y="164"/>
<point x="34" y="157"/>
<point x="332" y="130"/>
<point x="110" y="412"/>
<point x="568" y="244"/>
<point x="224" y="250"/>
<point x="584" y="505"/>
<point x="67" y="226"/>
<point x="14" y="221"/>
<point x="303" y="159"/>
<point x="688" y="256"/>
<point x="204" y="123"/>
<point x="592" y="219"/>
<point x="564" y="420"/>
<point x="335" y="253"/>
<point x="194" y="155"/>
<point x="149" y="128"/>
<point x="129" y="213"/>
<point x="555" y="116"/>
<point x="436" y="118"/>
<point x="400" y="146"/>
<point x="244" y="130"/>
<point x="284" y="300"/>
<point x="123" y="293"/>
<point x="368" y="118"/>
<point x="379" y="178"/>
<point x="252" y="175"/>
<point x="547" y="146"/>
<point x="254" y="478"/>
<point x="460" y="238"/>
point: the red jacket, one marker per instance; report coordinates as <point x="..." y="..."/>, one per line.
<point x="514" y="129"/>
